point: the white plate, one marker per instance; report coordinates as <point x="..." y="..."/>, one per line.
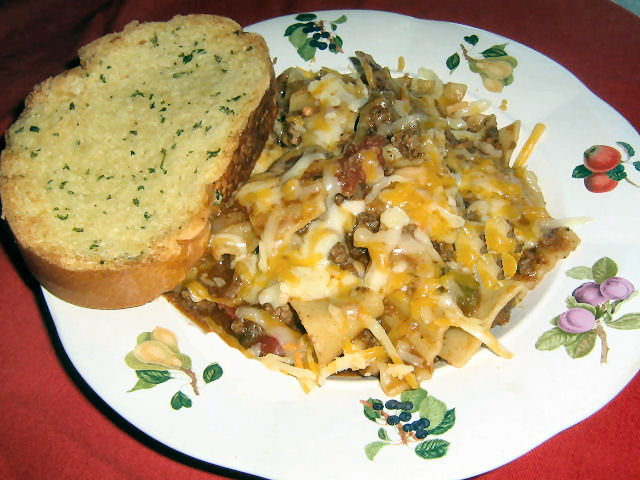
<point x="260" y="422"/>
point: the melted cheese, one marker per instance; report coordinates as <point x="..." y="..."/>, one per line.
<point x="336" y="105"/>
<point x="454" y="219"/>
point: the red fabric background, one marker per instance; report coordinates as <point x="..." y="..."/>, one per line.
<point x="53" y="427"/>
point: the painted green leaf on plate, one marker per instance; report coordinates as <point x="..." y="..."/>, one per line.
<point x="431" y="449"/>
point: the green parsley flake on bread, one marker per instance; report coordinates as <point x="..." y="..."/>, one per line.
<point x="112" y="172"/>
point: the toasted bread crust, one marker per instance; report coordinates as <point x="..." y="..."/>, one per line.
<point x="132" y="285"/>
<point x="250" y="145"/>
<point x="115" y="284"/>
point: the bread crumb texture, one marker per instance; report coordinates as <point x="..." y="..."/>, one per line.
<point x="114" y="159"/>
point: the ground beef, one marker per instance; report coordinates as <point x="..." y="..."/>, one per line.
<point x="445" y="250"/>
<point x="535" y="262"/>
<point x="408" y="141"/>
<point x="350" y="175"/>
<point x="246" y="332"/>
<point x="504" y="315"/>
<point x="339" y="254"/>
<point x="378" y="111"/>
<point x="286" y="314"/>
<point x="369" y="219"/>
<point x="344" y="257"/>
<point x="294" y="129"/>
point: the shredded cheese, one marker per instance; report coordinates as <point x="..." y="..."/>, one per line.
<point x="527" y="149"/>
<point x="395" y="240"/>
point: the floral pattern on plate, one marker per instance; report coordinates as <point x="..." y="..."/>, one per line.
<point x="433" y="418"/>
<point x="156" y="354"/>
<point x="495" y="66"/>
<point x="603" y="167"/>
<point x="590" y="308"/>
<point x="310" y="34"/>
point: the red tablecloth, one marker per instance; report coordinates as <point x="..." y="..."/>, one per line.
<point x="51" y="426"/>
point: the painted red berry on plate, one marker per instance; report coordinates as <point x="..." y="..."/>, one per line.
<point x="601" y="158"/>
<point x="599" y="183"/>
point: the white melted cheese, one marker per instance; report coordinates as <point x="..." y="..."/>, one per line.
<point x="337" y="103"/>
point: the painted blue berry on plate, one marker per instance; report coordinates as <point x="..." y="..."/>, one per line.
<point x="412" y="419"/>
<point x="310" y="34"/>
